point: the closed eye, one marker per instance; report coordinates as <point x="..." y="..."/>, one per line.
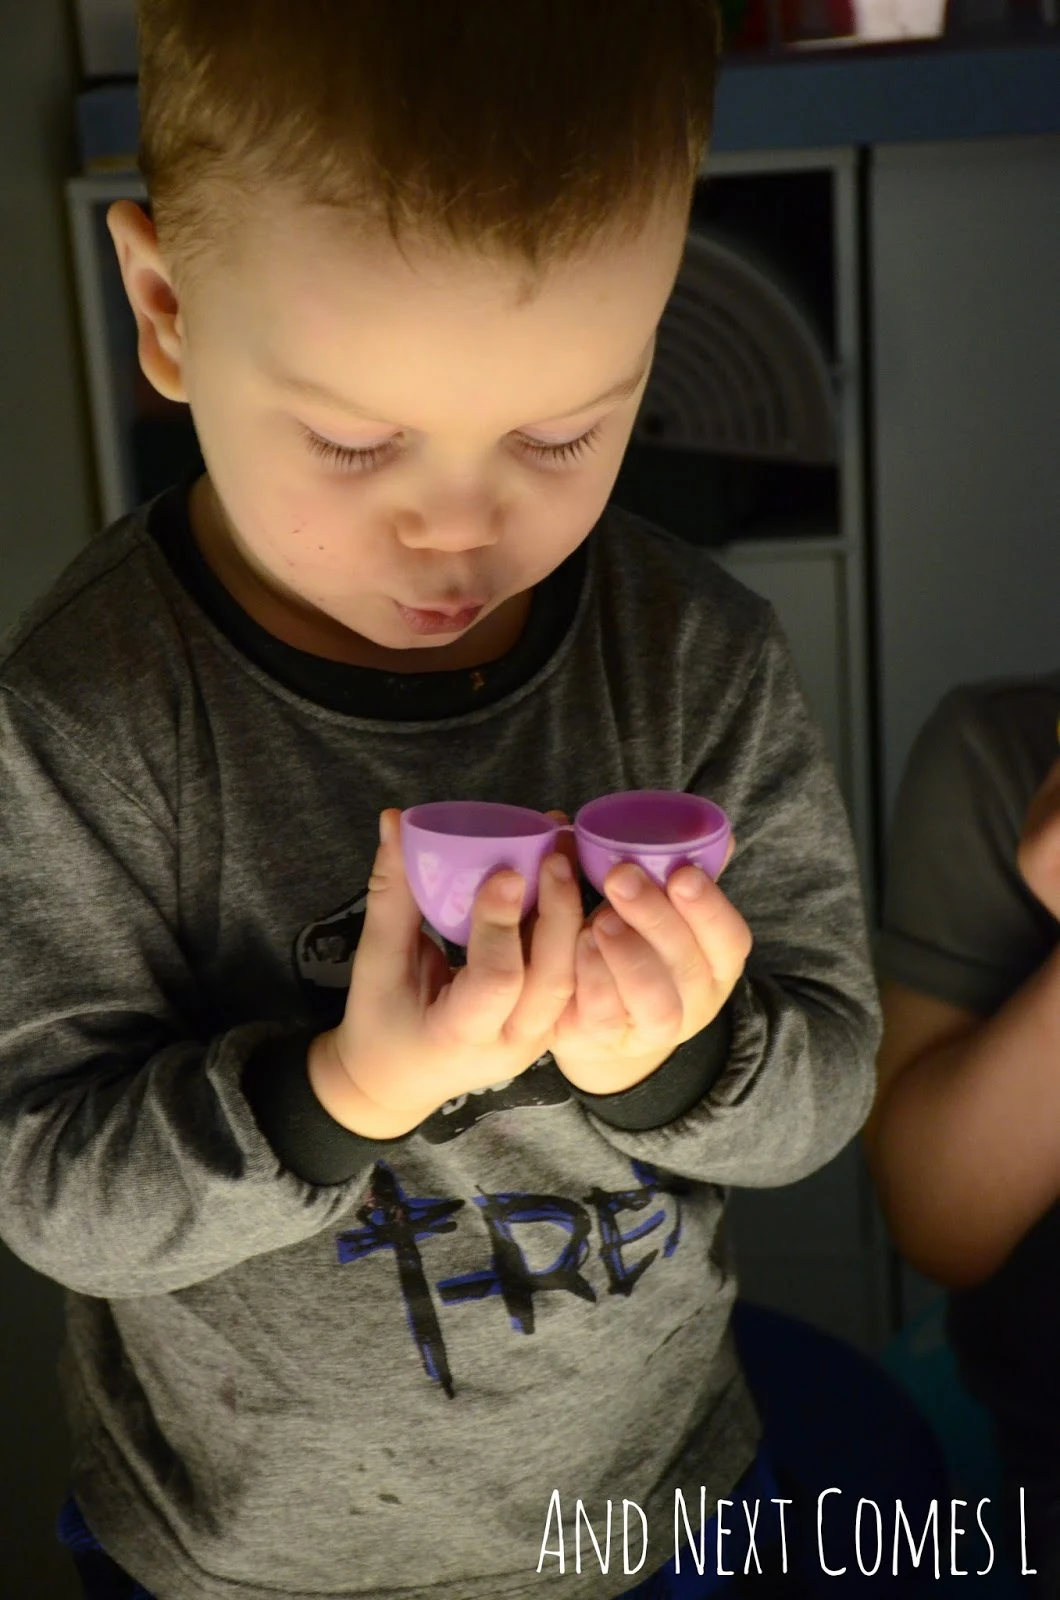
<point x="349" y="459"/>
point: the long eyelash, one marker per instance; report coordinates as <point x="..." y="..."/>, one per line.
<point x="351" y="460"/>
<point x="563" y="452"/>
<point x="341" y="456"/>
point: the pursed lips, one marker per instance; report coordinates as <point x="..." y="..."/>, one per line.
<point x="448" y="608"/>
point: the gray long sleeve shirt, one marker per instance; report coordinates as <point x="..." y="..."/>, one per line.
<point x="301" y="1363"/>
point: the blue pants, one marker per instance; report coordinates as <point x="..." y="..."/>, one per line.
<point x="103" y="1579"/>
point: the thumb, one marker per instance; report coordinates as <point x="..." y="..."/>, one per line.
<point x="392" y="918"/>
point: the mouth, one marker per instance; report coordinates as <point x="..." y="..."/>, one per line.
<point x="447" y="608"/>
<point x="440" y="619"/>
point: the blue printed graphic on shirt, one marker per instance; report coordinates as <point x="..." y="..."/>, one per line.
<point x="394" y="1221"/>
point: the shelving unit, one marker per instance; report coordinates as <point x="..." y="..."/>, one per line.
<point x="818" y="1249"/>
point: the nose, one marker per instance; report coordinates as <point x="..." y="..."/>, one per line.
<point x="455" y="525"/>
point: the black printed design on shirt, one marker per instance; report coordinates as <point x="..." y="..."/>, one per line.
<point x="541" y="1085"/>
<point x="590" y="1242"/>
<point x="323" y="951"/>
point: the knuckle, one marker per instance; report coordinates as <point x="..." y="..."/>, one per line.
<point x="643" y="966"/>
<point x="612" y="1030"/>
<point x="530" y="1046"/>
<point x="659" y="915"/>
<point x="556" y="981"/>
<point x="689" y="971"/>
<point x="495" y="979"/>
<point x="673" y="1016"/>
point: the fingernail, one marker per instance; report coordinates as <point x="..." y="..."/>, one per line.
<point x="691" y="885"/>
<point x="384" y="828"/>
<point x="560" y="868"/>
<point x="510" y="889"/>
<point x="628" y="883"/>
<point x="609" y="923"/>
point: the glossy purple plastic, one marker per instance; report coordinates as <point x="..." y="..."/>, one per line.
<point x="659" y="829"/>
<point x="451" y="846"/>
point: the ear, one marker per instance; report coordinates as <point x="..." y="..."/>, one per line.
<point x="149" y="287"/>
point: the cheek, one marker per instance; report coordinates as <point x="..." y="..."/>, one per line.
<point x="305" y="532"/>
<point x="590" y="493"/>
<point x="314" y="542"/>
<point x="302" y="518"/>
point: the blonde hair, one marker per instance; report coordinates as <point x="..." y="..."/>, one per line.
<point x="524" y="131"/>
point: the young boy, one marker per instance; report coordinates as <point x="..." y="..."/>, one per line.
<point x="964" y="1140"/>
<point x="378" y="1258"/>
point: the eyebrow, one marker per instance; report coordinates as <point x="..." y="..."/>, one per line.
<point x="320" y="391"/>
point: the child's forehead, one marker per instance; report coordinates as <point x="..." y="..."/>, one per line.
<point x="282" y="230"/>
<point x="384" y="328"/>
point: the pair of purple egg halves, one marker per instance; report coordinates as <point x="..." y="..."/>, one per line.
<point x="451" y="846"/>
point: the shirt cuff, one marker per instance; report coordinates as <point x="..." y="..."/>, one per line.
<point x="306" y="1138"/>
<point x="674" y="1087"/>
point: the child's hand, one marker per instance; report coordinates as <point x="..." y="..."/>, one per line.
<point x="415" y="1033"/>
<point x="1038" y="855"/>
<point x="663" y="978"/>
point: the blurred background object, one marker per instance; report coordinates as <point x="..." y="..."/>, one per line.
<point x="107" y="36"/>
<point x="779" y="25"/>
<point x="107" y="28"/>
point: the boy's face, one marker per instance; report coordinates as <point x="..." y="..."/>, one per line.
<point x="315" y="344"/>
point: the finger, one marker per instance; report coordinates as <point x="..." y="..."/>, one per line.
<point x="702" y="942"/>
<point x="566" y="846"/>
<point x="645" y="988"/>
<point x="600" y="1009"/>
<point x="526" y="935"/>
<point x="566" y="842"/>
<point x="390" y="939"/>
<point x="549" y="981"/>
<point x="486" y="990"/>
<point x="434" y="971"/>
<point x="721" y="935"/>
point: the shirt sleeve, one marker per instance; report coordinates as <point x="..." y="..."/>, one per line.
<point x="789" y="1066"/>
<point x="131" y="1160"/>
<point x="306" y="1138"/>
<point x="958" y="922"/>
<point x="674" y="1087"/>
